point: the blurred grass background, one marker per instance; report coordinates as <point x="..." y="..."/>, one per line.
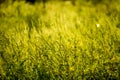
<point x="60" y="40"/>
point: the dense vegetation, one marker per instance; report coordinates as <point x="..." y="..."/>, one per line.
<point x="61" y="41"/>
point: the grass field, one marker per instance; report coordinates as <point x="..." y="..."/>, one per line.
<point x="60" y="41"/>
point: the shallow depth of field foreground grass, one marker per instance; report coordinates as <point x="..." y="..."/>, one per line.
<point x="59" y="42"/>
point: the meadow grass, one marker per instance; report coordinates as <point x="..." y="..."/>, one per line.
<point x="60" y="42"/>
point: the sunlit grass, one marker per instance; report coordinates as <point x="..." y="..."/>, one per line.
<point x="61" y="42"/>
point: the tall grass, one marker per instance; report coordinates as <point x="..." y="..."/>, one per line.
<point x="60" y="42"/>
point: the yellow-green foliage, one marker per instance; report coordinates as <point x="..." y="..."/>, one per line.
<point x="60" y="41"/>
